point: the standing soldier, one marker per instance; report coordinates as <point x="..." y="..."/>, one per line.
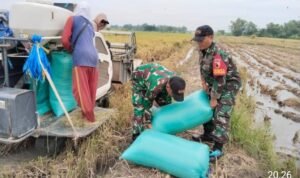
<point x="221" y="80"/>
<point x="153" y="82"/>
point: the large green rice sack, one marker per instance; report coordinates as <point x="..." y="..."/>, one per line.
<point x="171" y="154"/>
<point x="178" y="117"/>
<point x="42" y="96"/>
<point x="61" y="66"/>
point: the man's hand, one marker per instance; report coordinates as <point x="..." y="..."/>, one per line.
<point x="148" y="126"/>
<point x="213" y="102"/>
<point x="204" y="86"/>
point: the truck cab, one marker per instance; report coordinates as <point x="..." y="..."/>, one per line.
<point x="116" y="62"/>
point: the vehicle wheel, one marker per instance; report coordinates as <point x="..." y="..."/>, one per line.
<point x="103" y="102"/>
<point x="50" y="146"/>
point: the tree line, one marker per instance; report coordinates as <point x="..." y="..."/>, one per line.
<point x="147" y="27"/>
<point x="241" y="27"/>
<point x="238" y="27"/>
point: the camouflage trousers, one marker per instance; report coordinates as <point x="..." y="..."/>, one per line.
<point x="218" y="127"/>
<point x="141" y="111"/>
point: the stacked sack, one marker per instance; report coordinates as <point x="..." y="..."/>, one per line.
<point x="61" y="74"/>
<point x="61" y="66"/>
<point x="177" y="156"/>
<point x="41" y="95"/>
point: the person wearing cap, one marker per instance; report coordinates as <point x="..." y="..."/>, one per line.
<point x="153" y="82"/>
<point x="78" y="38"/>
<point x="100" y="22"/>
<point x="221" y="80"/>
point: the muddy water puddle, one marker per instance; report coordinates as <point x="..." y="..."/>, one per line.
<point x="267" y="69"/>
<point x="270" y="89"/>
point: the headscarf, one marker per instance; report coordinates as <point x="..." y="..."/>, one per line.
<point x="83" y="9"/>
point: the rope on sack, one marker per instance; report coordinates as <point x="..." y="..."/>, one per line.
<point x="38" y="66"/>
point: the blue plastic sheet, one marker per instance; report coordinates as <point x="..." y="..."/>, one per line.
<point x="32" y="65"/>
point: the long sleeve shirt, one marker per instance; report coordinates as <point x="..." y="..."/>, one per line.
<point x="149" y="84"/>
<point x="230" y="81"/>
<point x="84" y="52"/>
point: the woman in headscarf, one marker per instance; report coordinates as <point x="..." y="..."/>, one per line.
<point x="78" y="38"/>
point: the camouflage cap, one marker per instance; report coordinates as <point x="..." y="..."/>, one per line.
<point x="201" y="32"/>
<point x="177" y="85"/>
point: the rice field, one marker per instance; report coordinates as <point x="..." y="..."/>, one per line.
<point x="273" y="65"/>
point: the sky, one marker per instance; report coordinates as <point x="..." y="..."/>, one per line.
<point x="191" y="13"/>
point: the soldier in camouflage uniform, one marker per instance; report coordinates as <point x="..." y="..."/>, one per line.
<point x="153" y="82"/>
<point x="222" y="82"/>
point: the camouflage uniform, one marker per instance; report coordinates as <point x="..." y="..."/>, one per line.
<point x="148" y="84"/>
<point x="223" y="88"/>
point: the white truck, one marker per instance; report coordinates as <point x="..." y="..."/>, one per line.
<point x="18" y="122"/>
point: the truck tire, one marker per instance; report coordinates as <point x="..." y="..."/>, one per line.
<point x="50" y="146"/>
<point x="103" y="102"/>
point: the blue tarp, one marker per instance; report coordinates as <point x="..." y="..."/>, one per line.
<point x="32" y="66"/>
<point x="5" y="31"/>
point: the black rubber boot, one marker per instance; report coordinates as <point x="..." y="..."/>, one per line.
<point x="218" y="146"/>
<point x="203" y="138"/>
<point x="134" y="136"/>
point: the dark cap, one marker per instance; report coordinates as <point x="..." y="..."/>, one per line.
<point x="201" y="32"/>
<point x="177" y="86"/>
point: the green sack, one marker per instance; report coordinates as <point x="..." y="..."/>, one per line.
<point x="181" y="116"/>
<point x="171" y="154"/>
<point x="42" y="96"/>
<point x="61" y="66"/>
